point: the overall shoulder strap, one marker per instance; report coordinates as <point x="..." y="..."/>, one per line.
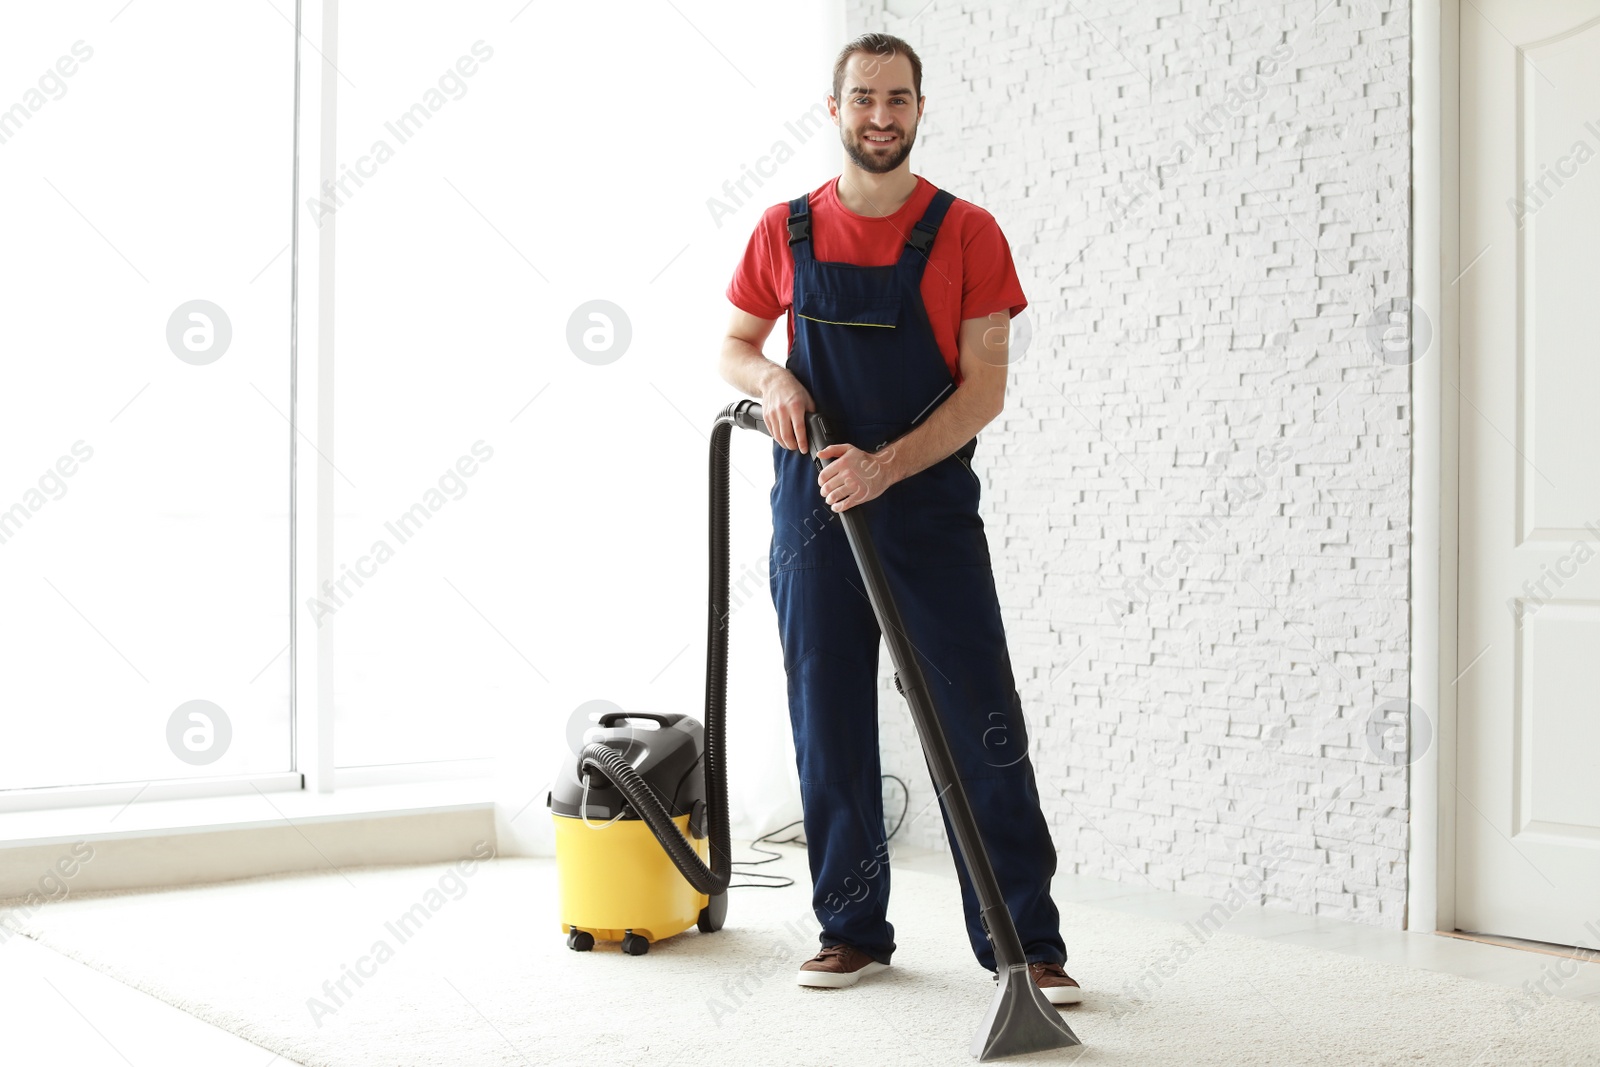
<point x="800" y="227"/>
<point x="920" y="239"/>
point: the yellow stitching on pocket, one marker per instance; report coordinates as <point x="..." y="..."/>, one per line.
<point x="847" y="309"/>
<point x="831" y="322"/>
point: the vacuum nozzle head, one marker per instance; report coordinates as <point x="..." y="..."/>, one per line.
<point x="1020" y="1020"/>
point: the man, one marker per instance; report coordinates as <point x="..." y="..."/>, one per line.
<point x="899" y="298"/>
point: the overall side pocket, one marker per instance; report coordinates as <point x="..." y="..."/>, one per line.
<point x="967" y="465"/>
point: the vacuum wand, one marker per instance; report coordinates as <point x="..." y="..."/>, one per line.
<point x="1010" y="1028"/>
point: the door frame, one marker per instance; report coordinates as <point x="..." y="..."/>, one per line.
<point x="1435" y="457"/>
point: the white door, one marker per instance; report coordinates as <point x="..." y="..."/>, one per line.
<point x="1528" y="748"/>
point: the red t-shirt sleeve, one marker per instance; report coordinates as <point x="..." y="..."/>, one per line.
<point x="989" y="281"/>
<point x="754" y="288"/>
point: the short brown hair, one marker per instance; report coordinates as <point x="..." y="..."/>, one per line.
<point x="883" y="46"/>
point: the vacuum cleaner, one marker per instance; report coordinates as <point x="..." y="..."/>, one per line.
<point x="641" y="813"/>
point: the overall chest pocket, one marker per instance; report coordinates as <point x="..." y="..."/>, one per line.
<point x="847" y="309"/>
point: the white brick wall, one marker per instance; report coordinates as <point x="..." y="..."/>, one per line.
<point x="1196" y="497"/>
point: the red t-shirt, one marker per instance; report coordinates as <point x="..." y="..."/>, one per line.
<point x="969" y="273"/>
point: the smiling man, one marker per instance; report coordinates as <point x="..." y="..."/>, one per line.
<point x="899" y="297"/>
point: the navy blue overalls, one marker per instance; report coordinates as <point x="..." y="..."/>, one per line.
<point x="865" y="350"/>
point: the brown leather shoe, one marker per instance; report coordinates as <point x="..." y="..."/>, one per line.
<point x="1053" y="981"/>
<point x="837" y="966"/>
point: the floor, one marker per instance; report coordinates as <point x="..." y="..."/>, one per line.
<point x="1509" y="964"/>
<point x="57" y="1006"/>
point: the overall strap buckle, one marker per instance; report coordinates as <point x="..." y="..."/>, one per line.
<point x="927" y="228"/>
<point x="799" y="220"/>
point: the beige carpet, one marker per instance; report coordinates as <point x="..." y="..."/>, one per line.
<point x="487" y="980"/>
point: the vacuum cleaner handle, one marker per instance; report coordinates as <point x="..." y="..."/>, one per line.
<point x="993" y="915"/>
<point x="747" y="415"/>
<point x="1019" y="1020"/>
<point x="611" y="718"/>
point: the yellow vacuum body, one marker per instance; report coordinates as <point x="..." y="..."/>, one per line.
<point x="617" y="881"/>
<point x="641" y="808"/>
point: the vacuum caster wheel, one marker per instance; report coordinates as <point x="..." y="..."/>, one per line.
<point x="713" y="913"/>
<point x="634" y="945"/>
<point x="580" y="941"/>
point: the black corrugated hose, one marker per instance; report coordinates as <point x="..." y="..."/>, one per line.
<point x="608" y="761"/>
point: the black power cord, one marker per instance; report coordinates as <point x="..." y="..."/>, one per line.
<point x="779" y="881"/>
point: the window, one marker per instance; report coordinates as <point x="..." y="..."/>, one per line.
<point x="144" y="434"/>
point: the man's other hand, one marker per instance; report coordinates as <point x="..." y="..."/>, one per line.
<point x="852" y="476"/>
<point x="784" y="403"/>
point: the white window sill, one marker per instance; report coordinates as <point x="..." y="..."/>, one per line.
<point x="162" y="818"/>
<point x="192" y="840"/>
